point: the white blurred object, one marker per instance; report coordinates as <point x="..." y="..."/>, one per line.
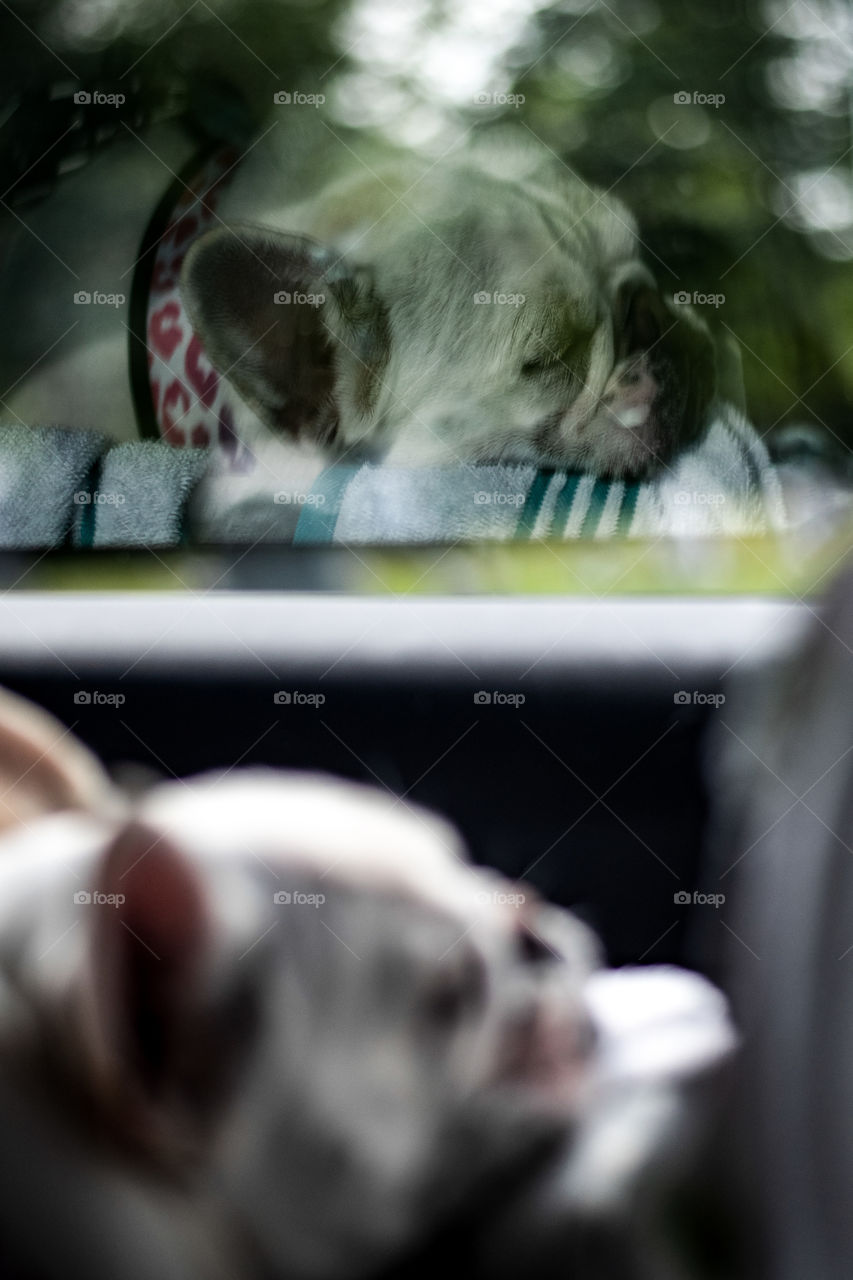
<point x="657" y="1023"/>
<point x="602" y="1206"/>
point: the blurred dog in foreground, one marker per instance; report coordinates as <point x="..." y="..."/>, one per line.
<point x="268" y="1025"/>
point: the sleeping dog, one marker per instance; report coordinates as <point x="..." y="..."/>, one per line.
<point x="486" y="306"/>
<point x="268" y="1025"/>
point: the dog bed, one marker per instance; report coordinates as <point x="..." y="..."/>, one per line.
<point x="69" y="487"/>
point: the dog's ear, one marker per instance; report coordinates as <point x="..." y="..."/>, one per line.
<point x="288" y="322"/>
<point x="163" y="1028"/>
<point x="43" y="768"/>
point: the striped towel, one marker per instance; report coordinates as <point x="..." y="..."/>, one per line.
<point x="45" y="475"/>
<point x="725" y="486"/>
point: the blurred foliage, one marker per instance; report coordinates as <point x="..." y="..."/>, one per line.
<point x="216" y="63"/>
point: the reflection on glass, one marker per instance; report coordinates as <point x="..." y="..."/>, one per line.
<point x="572" y="271"/>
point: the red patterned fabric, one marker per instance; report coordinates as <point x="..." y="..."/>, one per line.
<point x="193" y="405"/>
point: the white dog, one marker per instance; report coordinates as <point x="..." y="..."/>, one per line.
<point x="273" y="1025"/>
<point x="489" y="306"/>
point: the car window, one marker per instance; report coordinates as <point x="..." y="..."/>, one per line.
<point x="521" y="297"/>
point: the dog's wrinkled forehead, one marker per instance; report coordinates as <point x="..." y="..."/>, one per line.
<point x="320" y="827"/>
<point x="515" y="246"/>
<point x="514" y="275"/>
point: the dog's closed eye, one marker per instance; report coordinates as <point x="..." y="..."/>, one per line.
<point x="539" y="364"/>
<point x="560" y="352"/>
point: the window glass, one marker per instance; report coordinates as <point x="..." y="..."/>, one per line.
<point x="505" y="296"/>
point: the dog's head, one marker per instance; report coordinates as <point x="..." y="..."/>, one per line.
<point x="271" y="1024"/>
<point x="485" y="311"/>
<point x="298" y="987"/>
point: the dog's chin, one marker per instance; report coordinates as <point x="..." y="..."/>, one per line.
<point x="613" y="444"/>
<point x="628" y="445"/>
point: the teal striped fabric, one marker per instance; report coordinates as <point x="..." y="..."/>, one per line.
<point x="549" y="504"/>
<point x="725" y="486"/>
<point x="318" y="519"/>
<point x="532" y="505"/>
